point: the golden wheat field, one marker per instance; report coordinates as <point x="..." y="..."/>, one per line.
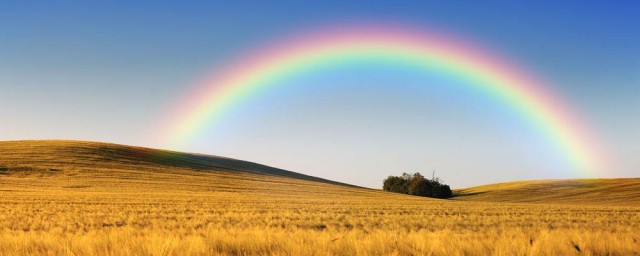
<point x="84" y="198"/>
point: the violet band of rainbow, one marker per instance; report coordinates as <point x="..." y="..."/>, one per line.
<point x="486" y="71"/>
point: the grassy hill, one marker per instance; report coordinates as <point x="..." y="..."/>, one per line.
<point x="86" y="198"/>
<point x="77" y="161"/>
<point x="575" y="191"/>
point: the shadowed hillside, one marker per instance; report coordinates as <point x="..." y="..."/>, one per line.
<point x="59" y="155"/>
<point x="575" y="191"/>
<point x="90" y="164"/>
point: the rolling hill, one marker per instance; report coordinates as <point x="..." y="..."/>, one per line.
<point x="82" y="164"/>
<point x="559" y="191"/>
<point x="88" y="198"/>
<point x="58" y="164"/>
<point x="58" y="155"/>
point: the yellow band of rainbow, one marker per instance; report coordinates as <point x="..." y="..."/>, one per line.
<point x="427" y="50"/>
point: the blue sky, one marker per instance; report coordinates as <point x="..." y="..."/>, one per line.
<point x="110" y="71"/>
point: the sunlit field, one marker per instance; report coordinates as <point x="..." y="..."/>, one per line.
<point x="81" y="198"/>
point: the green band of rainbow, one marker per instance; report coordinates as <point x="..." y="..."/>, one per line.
<point x="480" y="69"/>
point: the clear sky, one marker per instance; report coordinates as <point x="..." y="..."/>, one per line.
<point x="111" y="71"/>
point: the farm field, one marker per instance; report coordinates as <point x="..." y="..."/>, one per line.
<point x="87" y="198"/>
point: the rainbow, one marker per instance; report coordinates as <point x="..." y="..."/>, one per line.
<point x="481" y="69"/>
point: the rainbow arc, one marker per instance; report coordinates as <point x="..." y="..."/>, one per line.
<point x="484" y="71"/>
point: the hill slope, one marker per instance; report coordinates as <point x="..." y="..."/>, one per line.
<point x="62" y="155"/>
<point x="104" y="166"/>
<point x="575" y="191"/>
<point x="86" y="198"/>
<point x="92" y="166"/>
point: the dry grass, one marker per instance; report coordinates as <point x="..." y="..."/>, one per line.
<point x="577" y="191"/>
<point x="80" y="198"/>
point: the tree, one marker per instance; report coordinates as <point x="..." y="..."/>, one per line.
<point x="388" y="183"/>
<point x="424" y="188"/>
<point x="416" y="184"/>
<point x="442" y="191"/>
<point x="415" y="181"/>
<point x="395" y="184"/>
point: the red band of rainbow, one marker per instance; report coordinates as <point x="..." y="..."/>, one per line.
<point x="483" y="70"/>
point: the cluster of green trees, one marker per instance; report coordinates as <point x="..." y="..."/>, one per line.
<point x="416" y="184"/>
